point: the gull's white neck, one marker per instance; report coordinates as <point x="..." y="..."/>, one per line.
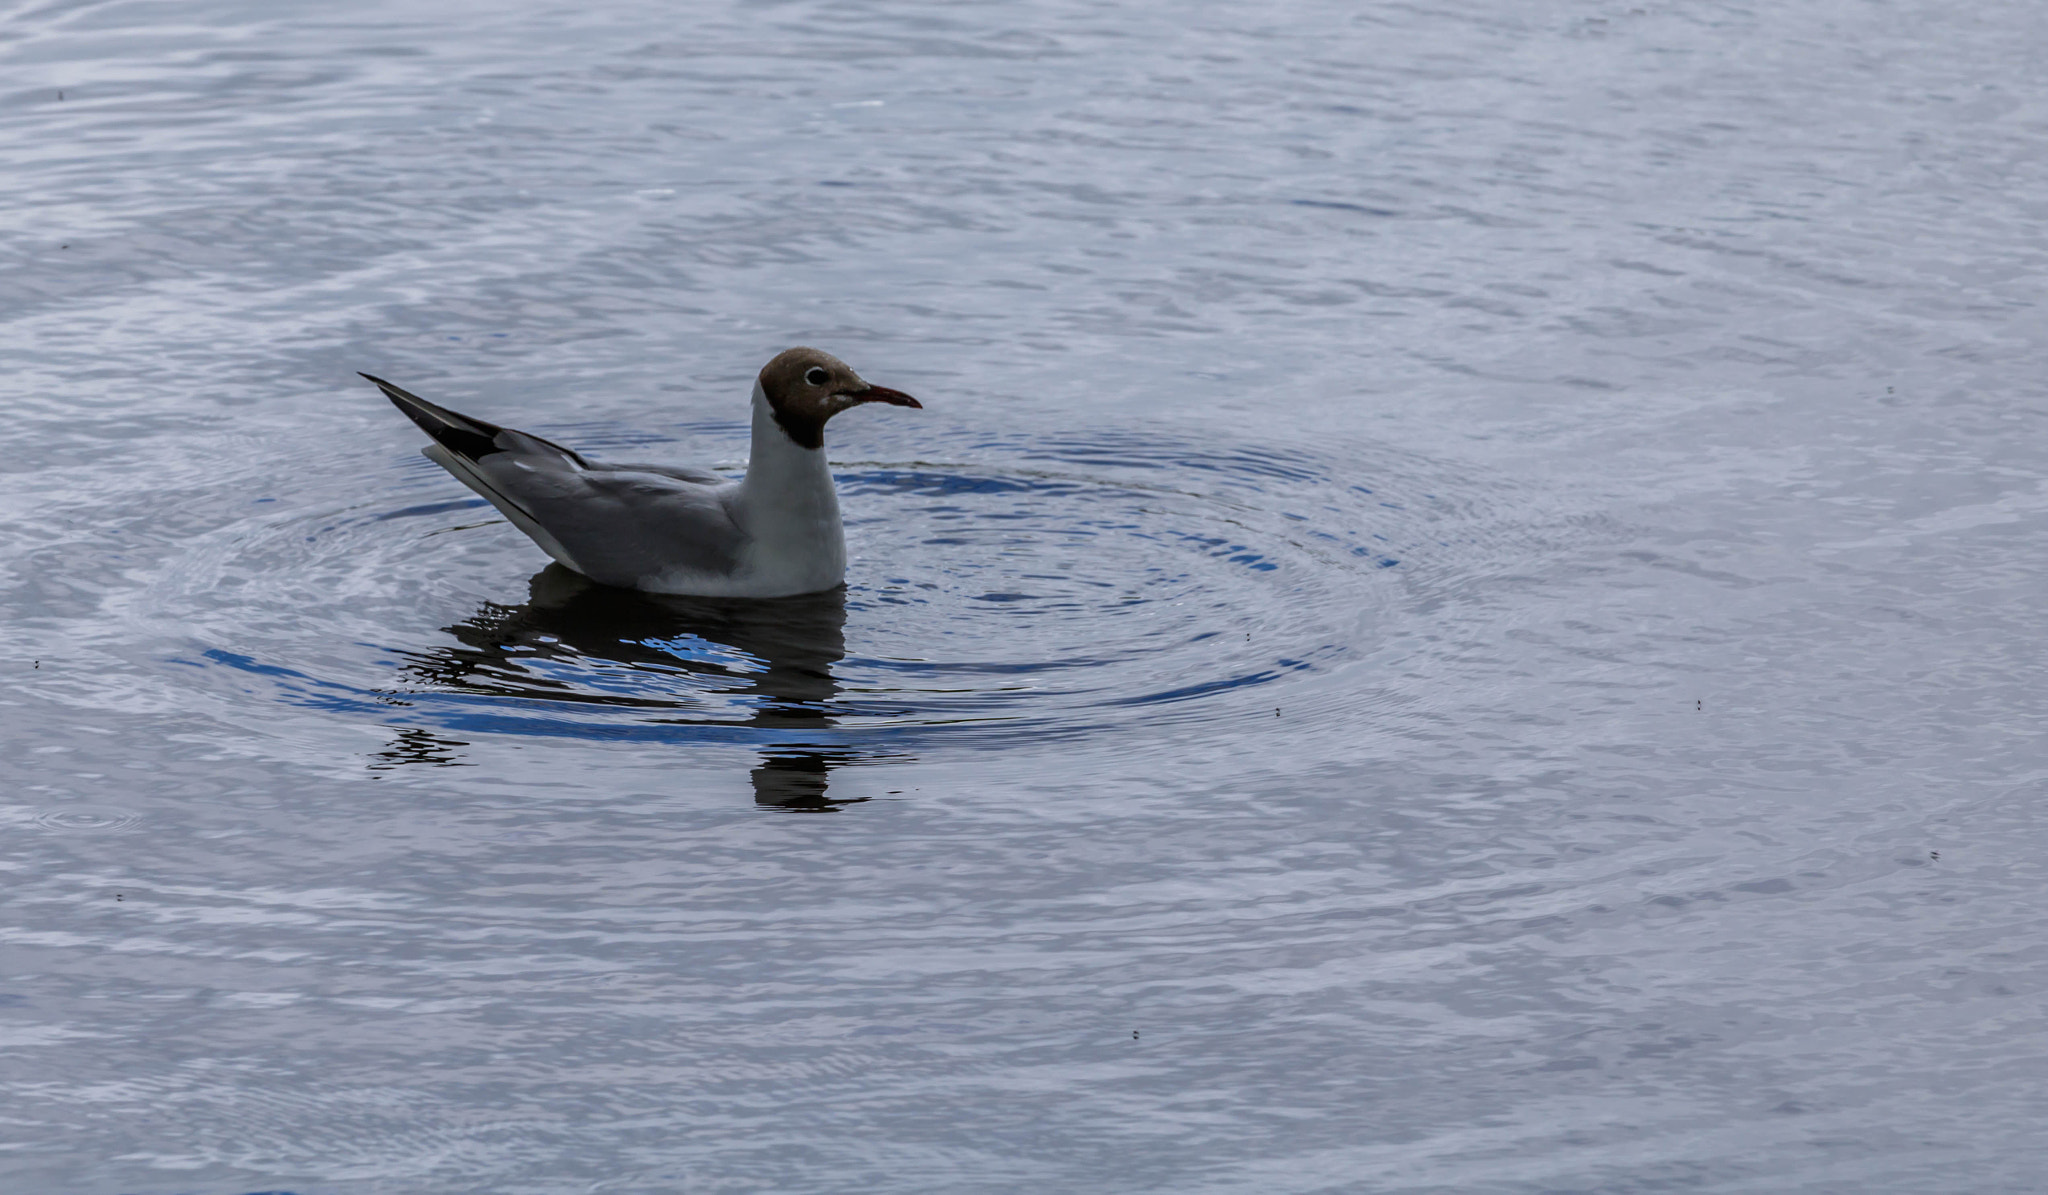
<point x="790" y="512"/>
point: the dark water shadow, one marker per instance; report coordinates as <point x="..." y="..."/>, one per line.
<point x="771" y="658"/>
<point x="416" y="745"/>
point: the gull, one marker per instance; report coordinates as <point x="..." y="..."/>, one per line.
<point x="773" y="533"/>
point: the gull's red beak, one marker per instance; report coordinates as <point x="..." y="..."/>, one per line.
<point x="894" y="398"/>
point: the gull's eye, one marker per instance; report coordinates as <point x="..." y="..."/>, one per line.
<point x="815" y="375"/>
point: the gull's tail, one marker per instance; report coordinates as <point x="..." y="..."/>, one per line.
<point x="469" y="438"/>
<point x="462" y="446"/>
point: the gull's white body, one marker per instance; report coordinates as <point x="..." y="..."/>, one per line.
<point x="788" y="510"/>
<point x="774" y="533"/>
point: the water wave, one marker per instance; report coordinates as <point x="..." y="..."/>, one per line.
<point x="1030" y="588"/>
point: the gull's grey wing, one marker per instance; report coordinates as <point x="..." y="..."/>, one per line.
<point x="615" y="524"/>
<point x="696" y="476"/>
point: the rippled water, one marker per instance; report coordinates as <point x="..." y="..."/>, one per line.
<point x="1035" y="588"/>
<point x="1462" y="615"/>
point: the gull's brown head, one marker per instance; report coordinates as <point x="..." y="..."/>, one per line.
<point x="805" y="387"/>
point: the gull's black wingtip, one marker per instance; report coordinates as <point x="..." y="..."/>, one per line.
<point x="397" y="394"/>
<point x="455" y="431"/>
<point x="391" y="391"/>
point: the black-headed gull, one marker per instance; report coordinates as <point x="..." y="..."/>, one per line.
<point x="773" y="533"/>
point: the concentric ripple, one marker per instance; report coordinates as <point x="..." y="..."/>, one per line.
<point x="1028" y="587"/>
<point x="85" y="819"/>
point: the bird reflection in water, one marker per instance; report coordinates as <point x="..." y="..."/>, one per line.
<point x="418" y="745"/>
<point x="764" y="664"/>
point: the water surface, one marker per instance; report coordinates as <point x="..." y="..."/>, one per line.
<point x="1462" y="616"/>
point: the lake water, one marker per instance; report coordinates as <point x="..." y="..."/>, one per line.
<point x="1463" y="616"/>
